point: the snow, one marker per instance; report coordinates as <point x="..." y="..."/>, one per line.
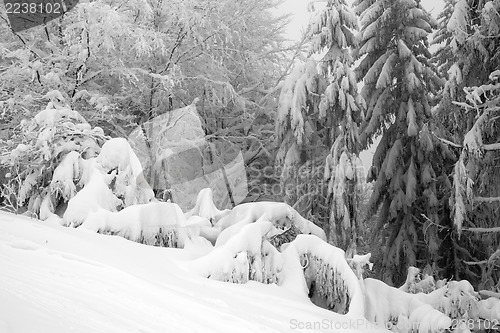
<point x="117" y="154"/>
<point x="94" y="195"/>
<point x="58" y="280"/>
<point x="50" y="116"/>
<point x="383" y="303"/>
<point x="244" y="255"/>
<point x="150" y="223"/>
<point x="280" y="214"/>
<point x="206" y="208"/>
<point x="65" y="174"/>
<point x="115" y="173"/>
<point x="335" y="259"/>
<point x="490" y="309"/>
<point x="458" y="22"/>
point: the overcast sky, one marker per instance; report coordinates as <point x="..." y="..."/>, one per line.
<point x="301" y="16"/>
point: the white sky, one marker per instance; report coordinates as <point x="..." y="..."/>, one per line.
<point x="300" y="18"/>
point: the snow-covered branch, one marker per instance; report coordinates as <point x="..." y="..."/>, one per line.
<point x="482" y="230"/>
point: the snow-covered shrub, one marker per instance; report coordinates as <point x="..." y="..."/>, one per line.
<point x="44" y="166"/>
<point x="489" y="309"/>
<point x="414" y="284"/>
<point x="205" y="207"/>
<point x="246" y="256"/>
<point x="155" y="223"/>
<point x="329" y="279"/>
<point x="358" y="264"/>
<point x="285" y="237"/>
<point x="111" y="181"/>
<point x="427" y="306"/>
<point x="96" y="194"/>
<point x="457" y="299"/>
<point x="307" y="263"/>
<point x="280" y="214"/>
<point x="64" y="166"/>
<point x="389" y="306"/>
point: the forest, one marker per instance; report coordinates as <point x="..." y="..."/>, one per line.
<point x="119" y="114"/>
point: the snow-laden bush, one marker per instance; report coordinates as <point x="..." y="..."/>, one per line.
<point x="111" y="181"/>
<point x="50" y="147"/>
<point x="244" y="252"/>
<point x="205" y="207"/>
<point x="282" y="216"/>
<point x="388" y="306"/>
<point x="425" y="305"/>
<point x="61" y="161"/>
<point x="246" y="256"/>
<point x="156" y="223"/>
<point x="330" y="281"/>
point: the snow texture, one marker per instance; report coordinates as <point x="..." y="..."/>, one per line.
<point x="330" y="270"/>
<point x="57" y="280"/>
<point x="246" y="256"/>
<point x="280" y="214"/>
<point x="95" y="195"/>
<point x="110" y="181"/>
<point x="385" y="304"/>
<point x="116" y="154"/>
<point x="156" y="223"/>
<point x="205" y="207"/>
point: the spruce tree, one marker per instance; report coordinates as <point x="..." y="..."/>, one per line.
<point x="325" y="111"/>
<point x="444" y="56"/>
<point x="398" y="79"/>
<point x="468" y="111"/>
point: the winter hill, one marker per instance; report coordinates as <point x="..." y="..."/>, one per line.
<point x="59" y="279"/>
<point x="180" y="166"/>
<point x="56" y="280"/>
<point x="104" y="255"/>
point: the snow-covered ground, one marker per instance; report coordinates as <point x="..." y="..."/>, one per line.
<point x="55" y="279"/>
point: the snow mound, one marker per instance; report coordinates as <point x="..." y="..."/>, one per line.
<point x="95" y="195"/>
<point x="156" y="223"/>
<point x="280" y="214"/>
<point x="247" y="256"/>
<point x="206" y="208"/>
<point x="307" y="265"/>
<point x="329" y="278"/>
<point x="116" y="154"/>
<point x="110" y="181"/>
<point x="489" y="309"/>
<point x="386" y="304"/>
<point x="56" y="279"/>
<point x="52" y="115"/>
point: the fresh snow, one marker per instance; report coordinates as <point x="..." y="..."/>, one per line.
<point x="142" y="223"/>
<point x="115" y="173"/>
<point x="55" y="279"/>
<point x="281" y="214"/>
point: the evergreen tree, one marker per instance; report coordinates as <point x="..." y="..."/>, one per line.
<point x="468" y="112"/>
<point x="444" y="56"/>
<point x="407" y="165"/>
<point x="322" y="120"/>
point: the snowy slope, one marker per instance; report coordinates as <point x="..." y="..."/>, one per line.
<point x="57" y="280"/>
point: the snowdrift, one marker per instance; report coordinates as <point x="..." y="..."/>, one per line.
<point x="57" y="280"/>
<point x="157" y="223"/>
